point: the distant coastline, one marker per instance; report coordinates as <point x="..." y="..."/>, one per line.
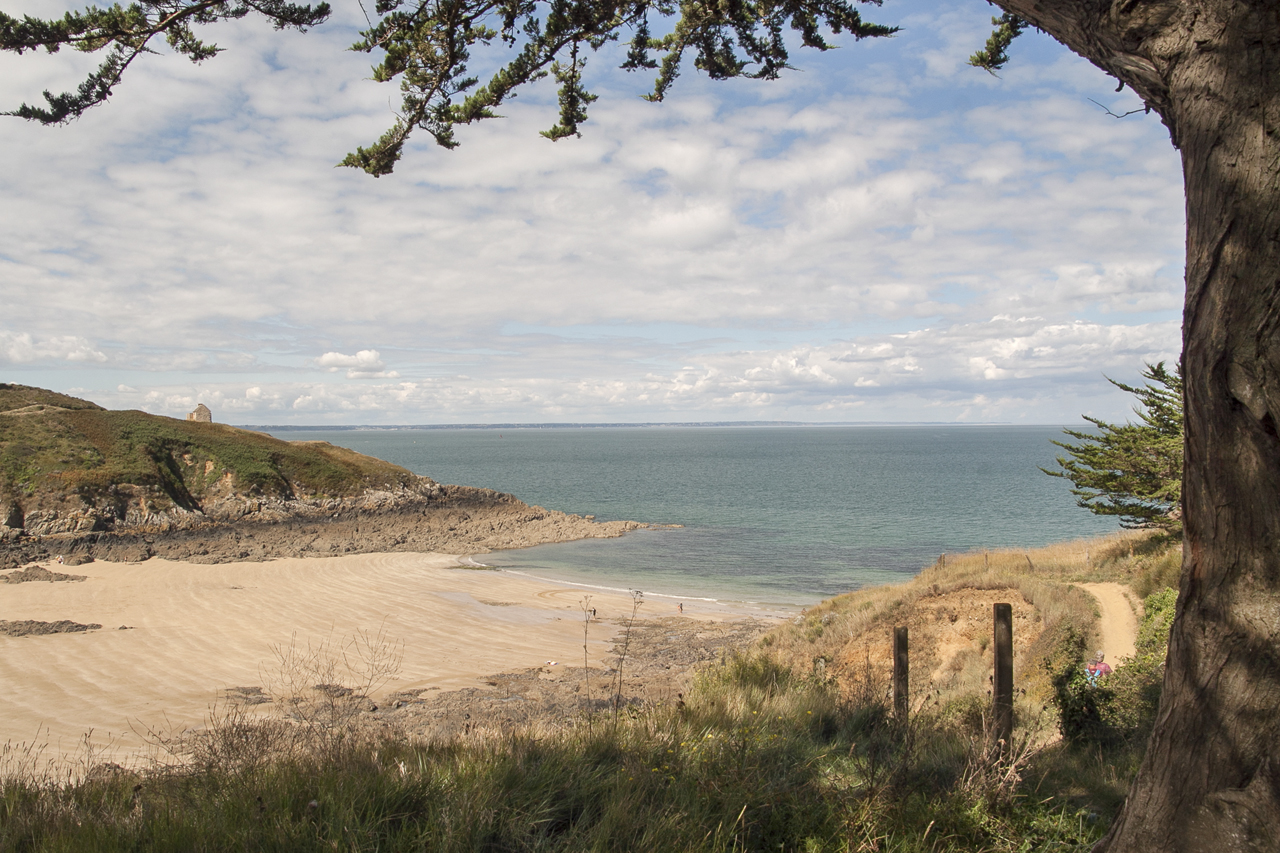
<point x="649" y="424"/>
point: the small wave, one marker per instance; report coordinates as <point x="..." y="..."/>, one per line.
<point x="731" y="605"/>
<point x="620" y="590"/>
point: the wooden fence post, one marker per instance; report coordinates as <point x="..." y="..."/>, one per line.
<point x="1002" y="692"/>
<point x="900" y="667"/>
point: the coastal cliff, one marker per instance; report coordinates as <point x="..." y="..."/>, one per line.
<point x="83" y="482"/>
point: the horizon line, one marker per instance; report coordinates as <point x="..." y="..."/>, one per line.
<point x="617" y="425"/>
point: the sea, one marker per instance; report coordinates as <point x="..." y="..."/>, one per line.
<point x="775" y="516"/>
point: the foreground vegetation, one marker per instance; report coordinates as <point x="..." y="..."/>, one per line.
<point x="763" y="754"/>
<point x="755" y="761"/>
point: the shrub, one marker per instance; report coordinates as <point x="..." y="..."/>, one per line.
<point x="759" y="757"/>
<point x="1121" y="708"/>
<point x="1159" y="571"/>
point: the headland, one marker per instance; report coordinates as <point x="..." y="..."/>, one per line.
<point x="82" y="483"/>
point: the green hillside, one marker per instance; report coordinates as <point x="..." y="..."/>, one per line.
<point x="15" y="397"/>
<point x="54" y="447"/>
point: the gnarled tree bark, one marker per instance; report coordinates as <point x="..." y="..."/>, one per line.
<point x="1211" y="69"/>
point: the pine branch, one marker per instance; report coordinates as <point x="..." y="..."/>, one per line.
<point x="996" y="54"/>
<point x="127" y="34"/>
<point x="427" y="45"/>
<point x="1133" y="471"/>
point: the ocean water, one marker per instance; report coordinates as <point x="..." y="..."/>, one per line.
<point x="775" y="515"/>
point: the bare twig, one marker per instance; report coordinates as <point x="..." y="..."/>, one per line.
<point x="585" y="605"/>
<point x="325" y="684"/>
<point x="637" y="598"/>
<point x="1145" y="109"/>
<point x="994" y="768"/>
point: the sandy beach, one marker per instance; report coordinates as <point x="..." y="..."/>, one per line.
<point x="193" y="631"/>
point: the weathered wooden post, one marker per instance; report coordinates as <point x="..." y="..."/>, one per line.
<point x="1002" y="692"/>
<point x="900" y="666"/>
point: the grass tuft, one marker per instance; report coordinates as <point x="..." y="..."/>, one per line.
<point x="756" y="758"/>
<point x="767" y="751"/>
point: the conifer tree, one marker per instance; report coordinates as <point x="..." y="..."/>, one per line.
<point x="1129" y="470"/>
<point x="1210" y="69"/>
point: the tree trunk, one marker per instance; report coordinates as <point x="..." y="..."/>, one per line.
<point x="1211" y="69"/>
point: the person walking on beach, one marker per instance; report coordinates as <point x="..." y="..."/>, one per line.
<point x="681" y="606"/>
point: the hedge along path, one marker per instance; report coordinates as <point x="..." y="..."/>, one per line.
<point x="1118" y="624"/>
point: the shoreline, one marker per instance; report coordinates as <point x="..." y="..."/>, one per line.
<point x="712" y="562"/>
<point x="179" y="637"/>
<point x="730" y="607"/>
<point x="425" y="518"/>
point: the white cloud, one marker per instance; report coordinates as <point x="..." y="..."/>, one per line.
<point x="1014" y="369"/>
<point x="23" y="348"/>
<point x="836" y="244"/>
<point x="366" y="364"/>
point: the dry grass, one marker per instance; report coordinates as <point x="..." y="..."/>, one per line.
<point x="760" y="754"/>
<point x="846" y="639"/>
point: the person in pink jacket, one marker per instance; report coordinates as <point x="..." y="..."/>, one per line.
<point x="1097" y="668"/>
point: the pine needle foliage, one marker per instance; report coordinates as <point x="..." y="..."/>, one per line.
<point x="127" y="32"/>
<point x="1132" y="471"/>
<point x="995" y="55"/>
<point x="427" y="46"/>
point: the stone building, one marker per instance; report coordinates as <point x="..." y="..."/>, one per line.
<point x="201" y="414"/>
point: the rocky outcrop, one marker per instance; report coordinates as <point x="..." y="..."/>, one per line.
<point x="32" y="627"/>
<point x="133" y="509"/>
<point x="81" y="482"/>
<point x="423" y="516"/>
<point x="10" y="514"/>
<point x="39" y="574"/>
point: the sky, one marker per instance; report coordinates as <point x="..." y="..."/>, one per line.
<point x="884" y="234"/>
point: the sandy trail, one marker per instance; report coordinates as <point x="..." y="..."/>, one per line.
<point x="197" y="630"/>
<point x="1118" y="623"/>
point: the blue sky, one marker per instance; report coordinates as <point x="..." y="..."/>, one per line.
<point x="885" y="234"/>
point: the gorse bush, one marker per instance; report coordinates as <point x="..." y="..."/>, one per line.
<point x="1135" y="685"/>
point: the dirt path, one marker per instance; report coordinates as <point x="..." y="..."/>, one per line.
<point x="1118" y="623"/>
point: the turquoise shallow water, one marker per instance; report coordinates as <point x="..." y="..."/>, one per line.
<point x="781" y="515"/>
